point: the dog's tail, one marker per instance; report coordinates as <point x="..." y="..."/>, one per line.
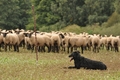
<point x="104" y="67"/>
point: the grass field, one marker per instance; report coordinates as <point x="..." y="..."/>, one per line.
<point x="54" y="66"/>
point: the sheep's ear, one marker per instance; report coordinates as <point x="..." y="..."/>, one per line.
<point x="61" y="35"/>
<point x="25" y="34"/>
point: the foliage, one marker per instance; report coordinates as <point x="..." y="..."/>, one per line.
<point x="14" y="13"/>
<point x="117" y="6"/>
<point x="57" y="14"/>
<point x="114" y="30"/>
<point x="113" y="19"/>
<point x="94" y="29"/>
<point x="80" y="12"/>
<point x="72" y="28"/>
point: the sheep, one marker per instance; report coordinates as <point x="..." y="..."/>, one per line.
<point x="56" y="41"/>
<point x="6" y="40"/>
<point x="65" y="41"/>
<point x="41" y="41"/>
<point x="115" y="43"/>
<point x="21" y="38"/>
<point x="1" y="40"/>
<point x="27" y="43"/>
<point x="47" y="42"/>
<point x="95" y="43"/>
<point x="103" y="42"/>
<point x="11" y="39"/>
<point x="87" y="42"/>
<point x="76" y="42"/>
<point x="109" y="44"/>
<point x="35" y="41"/>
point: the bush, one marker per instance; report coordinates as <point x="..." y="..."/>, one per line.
<point x="72" y="28"/>
<point x="114" y="18"/>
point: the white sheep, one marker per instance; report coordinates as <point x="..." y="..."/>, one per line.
<point x="95" y="43"/>
<point x="56" y="41"/>
<point x="11" y="39"/>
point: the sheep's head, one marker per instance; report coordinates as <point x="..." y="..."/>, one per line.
<point x="5" y="34"/>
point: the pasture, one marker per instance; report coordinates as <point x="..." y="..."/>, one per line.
<point x="54" y="66"/>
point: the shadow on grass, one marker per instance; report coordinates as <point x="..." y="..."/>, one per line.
<point x="70" y="67"/>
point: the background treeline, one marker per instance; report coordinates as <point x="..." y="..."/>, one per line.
<point x="14" y="13"/>
<point x="57" y="14"/>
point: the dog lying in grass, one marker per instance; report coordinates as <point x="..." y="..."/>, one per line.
<point x="80" y="61"/>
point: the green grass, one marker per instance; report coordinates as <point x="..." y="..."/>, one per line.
<point x="53" y="66"/>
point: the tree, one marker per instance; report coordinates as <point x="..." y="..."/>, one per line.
<point x="44" y="14"/>
<point x="98" y="11"/>
<point x="14" y="13"/>
<point x="117" y="6"/>
<point x="80" y="12"/>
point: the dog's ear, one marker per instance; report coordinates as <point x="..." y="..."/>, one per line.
<point x="78" y="51"/>
<point x="76" y="54"/>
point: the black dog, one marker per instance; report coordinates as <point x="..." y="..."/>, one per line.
<point x="80" y="61"/>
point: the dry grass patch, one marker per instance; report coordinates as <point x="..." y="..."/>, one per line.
<point x="53" y="66"/>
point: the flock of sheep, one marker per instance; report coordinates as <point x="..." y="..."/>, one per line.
<point x="56" y="41"/>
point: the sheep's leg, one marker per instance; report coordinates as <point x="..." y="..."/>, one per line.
<point x="64" y="49"/>
<point x="43" y="48"/>
<point x="10" y="47"/>
<point x="97" y="49"/>
<point x="68" y="49"/>
<point x="32" y="48"/>
<point x="82" y="49"/>
<point x="93" y="49"/>
<point x="17" y="48"/>
<point x="0" y="46"/>
<point x="116" y="49"/>
<point x="58" y="48"/>
<point x="5" y="47"/>
<point x="48" y="47"/>
<point x="28" y="46"/>
<point x="71" y="49"/>
<point x="39" y="49"/>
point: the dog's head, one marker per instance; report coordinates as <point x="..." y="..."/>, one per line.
<point x="74" y="55"/>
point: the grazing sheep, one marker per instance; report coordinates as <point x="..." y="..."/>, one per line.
<point x="80" y="61"/>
